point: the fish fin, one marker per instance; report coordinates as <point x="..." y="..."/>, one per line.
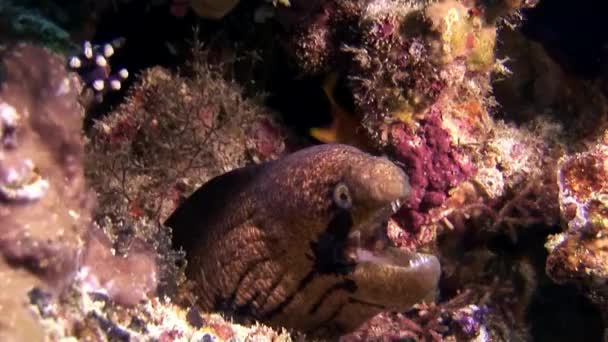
<point x="331" y="133"/>
<point x="325" y="135"/>
<point x="329" y="87"/>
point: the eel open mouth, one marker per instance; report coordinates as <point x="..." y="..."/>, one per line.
<point x="369" y="237"/>
<point x="413" y="274"/>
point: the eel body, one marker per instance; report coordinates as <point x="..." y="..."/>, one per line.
<point x="301" y="243"/>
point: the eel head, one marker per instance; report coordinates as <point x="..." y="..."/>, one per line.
<point x="339" y="200"/>
<point x="301" y="242"/>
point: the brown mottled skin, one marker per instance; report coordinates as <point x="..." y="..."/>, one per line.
<point x="299" y="242"/>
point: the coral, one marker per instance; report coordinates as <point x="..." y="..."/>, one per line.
<point x="17" y="322"/>
<point x="84" y="316"/>
<point x="212" y="129"/>
<point x="41" y="167"/>
<point x="515" y="184"/>
<point x="433" y="168"/>
<point x="93" y="65"/>
<point x="126" y="279"/>
<point x="579" y="253"/>
<point x="419" y="76"/>
<point x="65" y="275"/>
<point x="502" y="145"/>
<point x="44" y="205"/>
<point x="454" y="320"/>
<point x="313" y="42"/>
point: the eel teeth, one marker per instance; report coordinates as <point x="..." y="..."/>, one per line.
<point x="395" y="205"/>
<point x="419" y="260"/>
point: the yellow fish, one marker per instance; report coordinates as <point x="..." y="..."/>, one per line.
<point x="345" y="127"/>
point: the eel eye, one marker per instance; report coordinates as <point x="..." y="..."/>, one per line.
<point x="342" y="196"/>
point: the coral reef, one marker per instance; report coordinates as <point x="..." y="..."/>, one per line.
<point x="579" y="253"/>
<point x="212" y="129"/>
<point x="86" y="317"/>
<point x="421" y="77"/>
<point x="504" y="145"/>
<point x="67" y="275"/>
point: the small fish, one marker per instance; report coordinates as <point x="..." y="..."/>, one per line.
<point x="301" y="242"/>
<point x="345" y="127"/>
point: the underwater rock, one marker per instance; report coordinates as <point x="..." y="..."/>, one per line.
<point x="579" y="253"/>
<point x="494" y="137"/>
<point x="126" y="279"/>
<point x="433" y="167"/>
<point x="44" y="204"/>
<point x="414" y="68"/>
<point x="454" y="320"/>
<point x="536" y="85"/>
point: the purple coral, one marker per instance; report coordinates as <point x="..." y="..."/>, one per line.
<point x="433" y="165"/>
<point x="470" y="319"/>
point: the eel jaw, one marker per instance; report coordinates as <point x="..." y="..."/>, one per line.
<point x="414" y="275"/>
<point x="371" y="233"/>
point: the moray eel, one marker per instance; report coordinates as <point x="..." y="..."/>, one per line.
<point x="301" y="242"/>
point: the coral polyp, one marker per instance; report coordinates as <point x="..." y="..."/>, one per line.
<point x="93" y="66"/>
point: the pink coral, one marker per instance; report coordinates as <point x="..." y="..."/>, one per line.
<point x="433" y="165"/>
<point x="266" y="140"/>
